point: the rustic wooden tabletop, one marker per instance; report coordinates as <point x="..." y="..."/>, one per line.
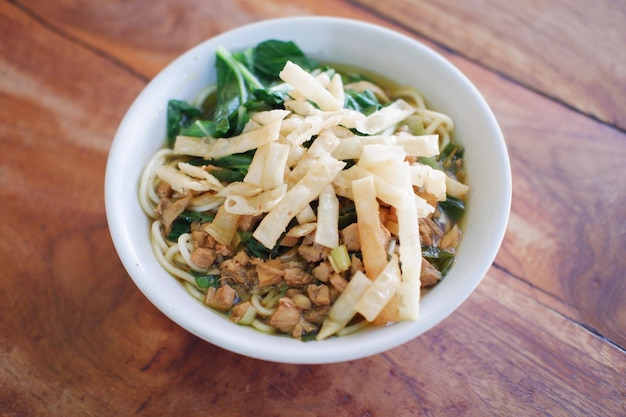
<point x="544" y="333"/>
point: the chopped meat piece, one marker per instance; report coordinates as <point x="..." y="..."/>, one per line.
<point x="303" y="328"/>
<point x="169" y="210"/>
<point x="350" y="237"/>
<point x="289" y="241"/>
<point x="317" y="314"/>
<point x="164" y="190"/>
<point x="319" y="294"/>
<point x="356" y="265"/>
<point x="235" y="270"/>
<point x="322" y="271"/>
<point x="286" y="316"/>
<point x="223" y="250"/>
<point x="269" y="272"/>
<point x="221" y="298"/>
<point x="199" y="238"/>
<point x="338" y="282"/>
<point x="311" y="251"/>
<point x="242" y="258"/>
<point x="203" y="257"/>
<point x="247" y="222"/>
<point x="429" y="275"/>
<point x="430" y="231"/>
<point x="210" y="240"/>
<point x="295" y="276"/>
<point x="239" y="311"/>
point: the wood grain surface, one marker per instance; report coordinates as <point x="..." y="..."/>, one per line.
<point x="544" y="333"/>
<point x="568" y="50"/>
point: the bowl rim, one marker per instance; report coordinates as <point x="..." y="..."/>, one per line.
<point x="250" y="342"/>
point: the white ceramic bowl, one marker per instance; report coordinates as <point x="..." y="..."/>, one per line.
<point x="336" y="40"/>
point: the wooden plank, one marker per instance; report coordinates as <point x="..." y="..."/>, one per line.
<point x="571" y="51"/>
<point x="144" y="36"/>
<point x="566" y="235"/>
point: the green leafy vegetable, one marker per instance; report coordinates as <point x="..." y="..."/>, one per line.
<point x="453" y="207"/>
<point x="309" y="336"/>
<point x="206" y="280"/>
<point x="233" y="90"/>
<point x="439" y="258"/>
<point x="451" y="159"/>
<point x="232" y="167"/>
<point x="246" y="81"/>
<point x="262" y="100"/>
<point x="238" y="161"/>
<point x="256" y="248"/>
<point x="182" y="223"/>
<point x="228" y="175"/>
<point x="430" y="161"/>
<point x="364" y="102"/>
<point x="270" y="57"/>
<point x="200" y="129"/>
<point x="347" y="216"/>
<point x="180" y="115"/>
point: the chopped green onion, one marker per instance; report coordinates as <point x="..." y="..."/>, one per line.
<point x="340" y="259"/>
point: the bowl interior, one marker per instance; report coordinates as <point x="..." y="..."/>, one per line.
<point x="341" y="41"/>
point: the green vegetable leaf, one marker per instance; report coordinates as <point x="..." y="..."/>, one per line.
<point x="256" y="248"/>
<point x="204" y="281"/>
<point x="453" y="207"/>
<point x="347" y="216"/>
<point x="235" y="161"/>
<point x="263" y="100"/>
<point x="180" y="114"/>
<point x="232" y="93"/>
<point x="228" y="175"/>
<point x="439" y="258"/>
<point x="246" y="82"/>
<point x="309" y="336"/>
<point x="200" y="129"/>
<point x="234" y="167"/>
<point x="182" y="223"/>
<point x="451" y="157"/>
<point x="269" y="58"/>
<point x="364" y="102"/>
<point x="430" y="161"/>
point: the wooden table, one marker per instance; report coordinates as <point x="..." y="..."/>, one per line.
<point x="544" y="334"/>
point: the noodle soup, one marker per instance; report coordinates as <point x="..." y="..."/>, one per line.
<point x="296" y="197"/>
